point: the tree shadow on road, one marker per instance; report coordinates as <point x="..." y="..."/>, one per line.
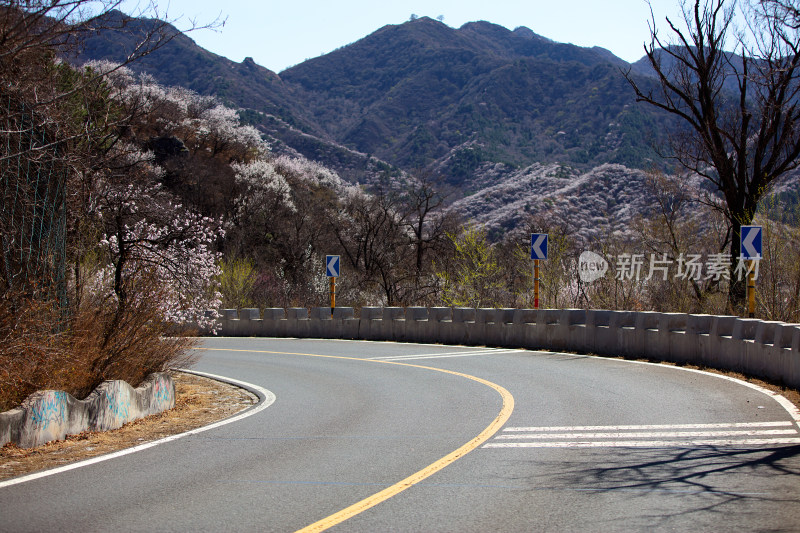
<point x="665" y="488"/>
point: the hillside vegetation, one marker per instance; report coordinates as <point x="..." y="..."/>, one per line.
<point x="422" y="95"/>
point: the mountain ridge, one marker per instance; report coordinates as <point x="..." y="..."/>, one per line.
<point x="424" y="96"/>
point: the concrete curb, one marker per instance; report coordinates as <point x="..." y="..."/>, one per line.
<point x="52" y="415"/>
<point x="758" y="348"/>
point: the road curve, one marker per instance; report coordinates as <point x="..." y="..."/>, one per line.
<point x="382" y="436"/>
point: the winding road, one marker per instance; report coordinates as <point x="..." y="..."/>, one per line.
<point x="365" y="436"/>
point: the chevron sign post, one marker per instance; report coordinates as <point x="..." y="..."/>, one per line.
<point x="750" y="249"/>
<point x="538" y="252"/>
<point x="332" y="267"/>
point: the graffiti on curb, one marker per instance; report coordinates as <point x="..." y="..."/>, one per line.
<point x="162" y="393"/>
<point x="50" y="407"/>
<point x="50" y="415"/>
<point x="118" y="403"/>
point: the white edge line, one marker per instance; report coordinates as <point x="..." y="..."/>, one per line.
<point x="793" y="411"/>
<point x="267" y="398"/>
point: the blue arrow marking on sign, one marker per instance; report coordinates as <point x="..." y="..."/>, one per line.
<point x="538" y="245"/>
<point x="332" y="266"/>
<point x="750" y="245"/>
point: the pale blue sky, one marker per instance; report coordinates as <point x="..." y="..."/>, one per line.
<point x="279" y="34"/>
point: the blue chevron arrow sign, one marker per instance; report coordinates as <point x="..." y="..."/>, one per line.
<point x="332" y="264"/>
<point x="538" y="245"/>
<point x="750" y="243"/>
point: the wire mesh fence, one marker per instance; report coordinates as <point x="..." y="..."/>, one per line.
<point x="32" y="205"/>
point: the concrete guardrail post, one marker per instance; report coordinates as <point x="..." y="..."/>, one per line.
<point x="721" y="343"/>
<point x="370" y="323"/>
<point x="645" y="333"/>
<point x="536" y="333"/>
<point x="622" y="326"/>
<point x="699" y="328"/>
<point x="393" y="324"/>
<point x="440" y="325"/>
<point x="792" y="376"/>
<point x="524" y="321"/>
<point x="781" y="354"/>
<point x="554" y="329"/>
<point x="504" y="326"/>
<point x="417" y="329"/>
<point x="572" y="325"/>
<point x="672" y="337"/>
<point x="274" y="322"/>
<point x="744" y="334"/>
<point x="230" y="322"/>
<point x="463" y="321"/>
<point x="345" y="323"/>
<point x="250" y="323"/>
<point x="599" y="328"/>
<point x="297" y="322"/>
<point x="320" y="323"/>
<point x="760" y="358"/>
<point x="672" y="329"/>
<point x="483" y="331"/>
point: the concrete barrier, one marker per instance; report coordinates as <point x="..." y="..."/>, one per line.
<point x="52" y="415"/>
<point x="758" y="348"/>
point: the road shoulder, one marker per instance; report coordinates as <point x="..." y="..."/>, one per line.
<point x="200" y="401"/>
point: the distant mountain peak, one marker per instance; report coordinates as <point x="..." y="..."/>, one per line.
<point x="527" y="33"/>
<point x="422" y="94"/>
<point x="424" y="20"/>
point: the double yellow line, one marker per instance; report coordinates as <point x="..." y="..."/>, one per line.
<point x="413" y="479"/>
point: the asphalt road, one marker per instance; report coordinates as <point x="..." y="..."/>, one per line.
<point x="542" y="442"/>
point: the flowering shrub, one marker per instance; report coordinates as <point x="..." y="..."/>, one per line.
<point x="151" y="238"/>
<point x="262" y="185"/>
<point x="302" y="168"/>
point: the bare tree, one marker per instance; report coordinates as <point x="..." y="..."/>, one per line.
<point x="34" y="33"/>
<point x="738" y="108"/>
<point x="371" y="237"/>
<point x="426" y="223"/>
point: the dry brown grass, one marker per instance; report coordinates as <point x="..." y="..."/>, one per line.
<point x="200" y="401"/>
<point x="43" y="347"/>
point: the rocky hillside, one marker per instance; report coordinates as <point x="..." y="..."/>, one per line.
<point x="592" y="204"/>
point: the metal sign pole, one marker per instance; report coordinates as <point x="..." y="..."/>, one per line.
<point x="536" y="284"/>
<point x="333" y="294"/>
<point x="751" y="290"/>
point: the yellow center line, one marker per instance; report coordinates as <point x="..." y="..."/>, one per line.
<point x="413" y="479"/>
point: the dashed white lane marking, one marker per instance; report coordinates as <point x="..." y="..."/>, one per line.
<point x="654" y="434"/>
<point x="649" y="436"/>
<point x="780" y="423"/>
<point x="442" y="355"/>
<point x="646" y="443"/>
